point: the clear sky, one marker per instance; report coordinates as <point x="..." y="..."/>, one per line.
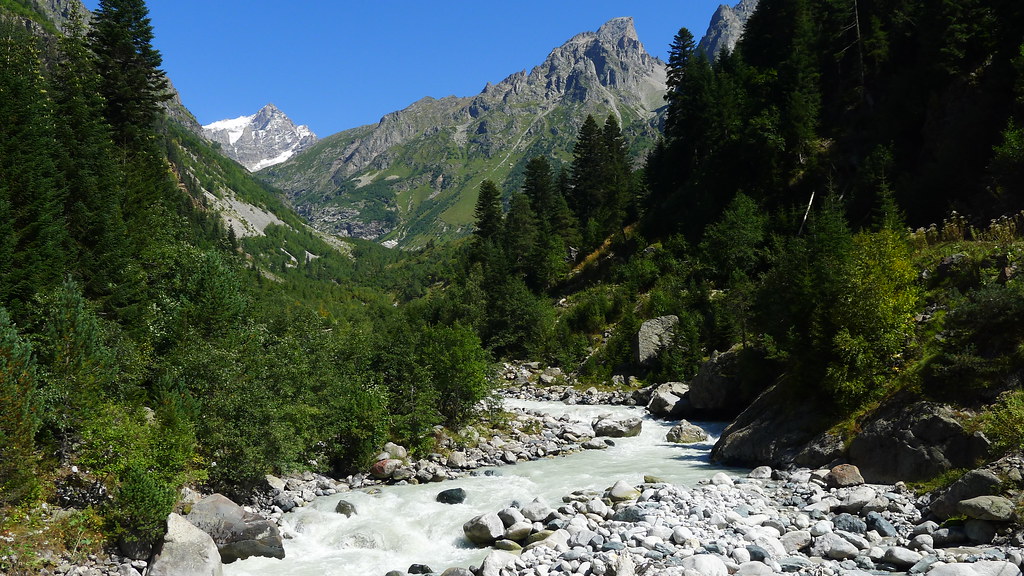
<point x="338" y="64"/>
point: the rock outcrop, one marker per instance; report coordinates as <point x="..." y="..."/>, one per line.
<point x="726" y="28"/>
<point x="914" y="442"/>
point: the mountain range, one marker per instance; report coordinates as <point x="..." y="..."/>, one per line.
<point x="413" y="176"/>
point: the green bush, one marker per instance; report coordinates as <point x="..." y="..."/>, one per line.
<point x="19" y="417"/>
<point x="1004" y="423"/>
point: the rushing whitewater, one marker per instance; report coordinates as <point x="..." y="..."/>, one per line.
<point x="398" y="526"/>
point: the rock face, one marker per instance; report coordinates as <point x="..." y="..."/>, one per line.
<point x="264" y="139"/>
<point x="766" y="434"/>
<point x="716" y="391"/>
<point x="654" y="335"/>
<point x="726" y="28"/>
<point x="238" y="534"/>
<point x="914" y="442"/>
<point x="186" y="550"/>
<point x="363" y="171"/>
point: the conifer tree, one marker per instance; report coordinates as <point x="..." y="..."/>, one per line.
<point x="587" y="180"/>
<point x="87" y="165"/>
<point x="618" y="177"/>
<point x="133" y="86"/>
<point x="487" y="212"/>
<point x="521" y="236"/>
<point x="37" y="240"/>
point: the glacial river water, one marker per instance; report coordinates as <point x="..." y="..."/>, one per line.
<point x="404" y="525"/>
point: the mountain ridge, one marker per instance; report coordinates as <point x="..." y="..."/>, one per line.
<point x="413" y="175"/>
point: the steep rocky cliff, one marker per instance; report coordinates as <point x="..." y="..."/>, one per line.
<point x="726" y="27"/>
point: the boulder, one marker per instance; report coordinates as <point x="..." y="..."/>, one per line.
<point x="844" y="476"/>
<point x="772" y="415"/>
<point x="495" y="561"/>
<point x="384" y="469"/>
<point x="994" y="508"/>
<point x="686" y="433"/>
<point x="914" y="442"/>
<point x="483" y="530"/>
<point x="622" y="491"/>
<point x="669" y="401"/>
<point x="706" y="565"/>
<point x="654" y="335"/>
<point x="979" y="482"/>
<point x="186" y="550"/>
<point x="345" y="507"/>
<point x="617" y="428"/>
<point x="452" y="496"/>
<point x="238" y="534"/>
<point x="536" y="511"/>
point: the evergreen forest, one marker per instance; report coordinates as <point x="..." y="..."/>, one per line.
<point x="839" y="199"/>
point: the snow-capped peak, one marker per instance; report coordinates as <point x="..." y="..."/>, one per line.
<point x="263" y="139"/>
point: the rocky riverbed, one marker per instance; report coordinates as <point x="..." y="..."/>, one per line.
<point x="823" y="522"/>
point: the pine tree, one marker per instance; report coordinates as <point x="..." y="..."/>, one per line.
<point x="587" y="174"/>
<point x="37" y="240"/>
<point x="618" y="178"/>
<point x="487" y="212"/>
<point x="133" y="86"/>
<point x="521" y="231"/>
<point x="87" y="164"/>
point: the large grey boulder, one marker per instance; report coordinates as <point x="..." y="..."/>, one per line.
<point x="994" y="508"/>
<point x="484" y="529"/>
<point x="914" y="442"/>
<point x="669" y="400"/>
<point x="654" y="335"/>
<point x="186" y="551"/>
<point x="238" y="534"/>
<point x="617" y="428"/>
<point x="771" y="431"/>
<point x="686" y="433"/>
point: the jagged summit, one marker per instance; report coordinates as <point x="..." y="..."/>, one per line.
<point x="263" y="139"/>
<point x="726" y="27"/>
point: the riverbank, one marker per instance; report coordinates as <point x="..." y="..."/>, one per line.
<point x="769" y="522"/>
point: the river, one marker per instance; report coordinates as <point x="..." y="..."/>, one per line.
<point x="399" y="526"/>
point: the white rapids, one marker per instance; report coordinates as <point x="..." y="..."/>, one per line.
<point x="403" y="525"/>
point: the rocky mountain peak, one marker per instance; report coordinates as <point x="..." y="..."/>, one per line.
<point x="618" y="29"/>
<point x="726" y="27"/>
<point x="263" y="139"/>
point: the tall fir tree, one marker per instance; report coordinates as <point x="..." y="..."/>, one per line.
<point x="133" y="85"/>
<point x="38" y="242"/>
<point x="87" y="165"/>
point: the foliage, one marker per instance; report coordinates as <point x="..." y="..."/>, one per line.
<point x="20" y="416"/>
<point x="1003" y="423"/>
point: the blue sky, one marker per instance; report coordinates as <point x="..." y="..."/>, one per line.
<point x="344" y="63"/>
